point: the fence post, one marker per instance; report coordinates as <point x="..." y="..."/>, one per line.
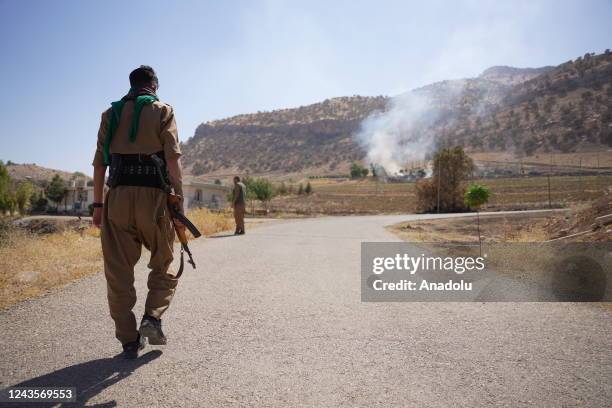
<point x="580" y="174"/>
<point x="549" y="201"/>
<point x="439" y="178"/>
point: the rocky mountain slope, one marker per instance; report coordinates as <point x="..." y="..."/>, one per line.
<point x="564" y="108"/>
<point x="511" y="76"/>
<point x="37" y="174"/>
<point x="309" y="138"/>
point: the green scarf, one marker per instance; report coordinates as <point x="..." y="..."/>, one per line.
<point x="146" y="98"/>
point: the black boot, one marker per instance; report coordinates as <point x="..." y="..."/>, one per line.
<point x="131" y="349"/>
<point x="150" y="328"/>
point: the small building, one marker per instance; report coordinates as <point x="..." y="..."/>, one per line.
<point x="204" y="194"/>
<point x="198" y="194"/>
<point x="78" y="198"/>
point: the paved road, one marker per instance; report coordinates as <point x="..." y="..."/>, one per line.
<point x="274" y="318"/>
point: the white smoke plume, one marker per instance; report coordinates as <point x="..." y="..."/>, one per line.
<point x="399" y="135"/>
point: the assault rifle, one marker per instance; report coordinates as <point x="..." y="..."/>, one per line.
<point x="174" y="204"/>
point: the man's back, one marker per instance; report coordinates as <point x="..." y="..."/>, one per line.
<point x="240" y="193"/>
<point x="134" y="213"/>
<point x="156" y="132"/>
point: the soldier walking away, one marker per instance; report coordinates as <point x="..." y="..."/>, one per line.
<point x="136" y="131"/>
<point x="239" y="205"/>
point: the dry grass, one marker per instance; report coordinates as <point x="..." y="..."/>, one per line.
<point x="369" y="197"/>
<point x="595" y="159"/>
<point x="31" y="264"/>
<point x="494" y="228"/>
<point x="209" y="222"/>
<point x="514" y="246"/>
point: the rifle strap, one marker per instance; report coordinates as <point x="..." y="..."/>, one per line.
<point x="182" y="264"/>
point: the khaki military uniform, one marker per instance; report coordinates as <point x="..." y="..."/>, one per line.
<point x="239" y="201"/>
<point x="137" y="216"/>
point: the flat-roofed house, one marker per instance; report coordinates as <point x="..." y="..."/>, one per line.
<point x="198" y="194"/>
<point x="204" y="194"/>
<point x="79" y="195"/>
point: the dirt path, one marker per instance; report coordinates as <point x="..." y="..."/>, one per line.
<point x="274" y="318"/>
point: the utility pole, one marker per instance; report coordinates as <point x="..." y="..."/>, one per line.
<point x="549" y="201"/>
<point x="439" y="178"/>
<point x="549" y="171"/>
<point x="580" y="175"/>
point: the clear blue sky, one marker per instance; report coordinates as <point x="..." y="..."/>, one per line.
<point x="63" y="62"/>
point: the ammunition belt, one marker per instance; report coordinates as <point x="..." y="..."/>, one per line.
<point x="144" y="175"/>
<point x="137" y="170"/>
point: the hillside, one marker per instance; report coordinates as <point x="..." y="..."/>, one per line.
<point x="567" y="108"/>
<point x="310" y="138"/>
<point x="37" y="174"/>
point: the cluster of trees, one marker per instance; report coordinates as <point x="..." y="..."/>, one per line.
<point x="13" y="197"/>
<point x="198" y="168"/>
<point x="260" y="189"/>
<point x="445" y="190"/>
<point x="24" y="196"/>
<point x="288" y="189"/>
<point x="304" y="190"/>
<point x="358" y="171"/>
<point x="263" y="190"/>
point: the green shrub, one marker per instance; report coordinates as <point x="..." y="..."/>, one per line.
<point x="477" y="195"/>
<point x="358" y="171"/>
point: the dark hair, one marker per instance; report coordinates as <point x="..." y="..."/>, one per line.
<point x="236" y="178"/>
<point x="142" y="77"/>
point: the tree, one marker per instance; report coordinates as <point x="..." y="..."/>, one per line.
<point x="282" y="189"/>
<point x="308" y="188"/>
<point x="263" y="190"/>
<point x="198" y="169"/>
<point x="5" y="186"/>
<point x="358" y="171"/>
<point x="300" y="189"/>
<point x="56" y="190"/>
<point x="443" y="192"/>
<point x="529" y="146"/>
<point x="476" y="196"/>
<point x="38" y="202"/>
<point x="249" y="183"/>
<point x="22" y="195"/>
<point x="11" y="202"/>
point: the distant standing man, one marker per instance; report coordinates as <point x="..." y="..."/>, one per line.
<point x="134" y="212"/>
<point x="239" y="205"/>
